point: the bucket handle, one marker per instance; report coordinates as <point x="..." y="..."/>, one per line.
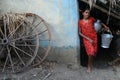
<point x="107" y="31"/>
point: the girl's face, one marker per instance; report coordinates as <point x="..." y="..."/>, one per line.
<point x="86" y="14"/>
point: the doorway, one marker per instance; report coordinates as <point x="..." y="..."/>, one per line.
<point x="104" y="56"/>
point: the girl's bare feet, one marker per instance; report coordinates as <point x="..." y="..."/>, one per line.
<point x="89" y="70"/>
<point x="90" y="61"/>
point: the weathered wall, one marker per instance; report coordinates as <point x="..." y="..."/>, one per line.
<point x="61" y="15"/>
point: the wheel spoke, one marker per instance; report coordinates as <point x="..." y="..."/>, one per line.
<point x="19" y="56"/>
<point x="34" y="39"/>
<point x="22" y="50"/>
<point x="13" y="32"/>
<point x="34" y="18"/>
<point x="36" y="26"/>
<point x="5" y="64"/>
<point x="33" y="35"/>
<point x="43" y="31"/>
<point x="44" y="39"/>
<point x="39" y="57"/>
<point x="11" y="62"/>
<point x="31" y="49"/>
<point x="5" y="30"/>
<point x="33" y="52"/>
<point x="43" y="48"/>
<point x="24" y="45"/>
<point x="1" y="32"/>
<point x="1" y="50"/>
<point x="28" y="39"/>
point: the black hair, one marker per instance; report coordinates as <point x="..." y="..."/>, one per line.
<point x="87" y="8"/>
<point x="83" y="10"/>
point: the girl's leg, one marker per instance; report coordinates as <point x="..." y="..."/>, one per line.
<point x="90" y="63"/>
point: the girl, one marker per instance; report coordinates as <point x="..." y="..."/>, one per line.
<point x="87" y="31"/>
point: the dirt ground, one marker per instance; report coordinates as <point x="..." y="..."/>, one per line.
<point x="55" y="71"/>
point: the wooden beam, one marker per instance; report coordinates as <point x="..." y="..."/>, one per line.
<point x="103" y="10"/>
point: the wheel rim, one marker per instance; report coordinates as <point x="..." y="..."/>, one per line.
<point x="44" y="38"/>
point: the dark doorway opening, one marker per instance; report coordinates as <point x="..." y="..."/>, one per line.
<point x="104" y="55"/>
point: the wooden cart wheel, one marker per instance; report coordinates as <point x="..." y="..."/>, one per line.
<point x="21" y="38"/>
<point x="44" y="38"/>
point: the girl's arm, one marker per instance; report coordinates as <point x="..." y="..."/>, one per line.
<point x="104" y="26"/>
<point x="91" y="41"/>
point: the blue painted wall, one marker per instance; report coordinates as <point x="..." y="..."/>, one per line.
<point x="61" y="15"/>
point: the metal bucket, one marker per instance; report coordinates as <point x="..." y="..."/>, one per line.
<point x="106" y="40"/>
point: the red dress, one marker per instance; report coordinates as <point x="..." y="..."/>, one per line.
<point x="87" y="28"/>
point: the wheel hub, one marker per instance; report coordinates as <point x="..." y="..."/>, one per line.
<point x="5" y="41"/>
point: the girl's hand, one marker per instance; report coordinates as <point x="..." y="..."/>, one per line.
<point x="91" y="41"/>
<point x="107" y="28"/>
